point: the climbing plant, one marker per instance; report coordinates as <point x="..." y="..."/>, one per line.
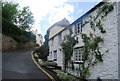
<point x="67" y="45"/>
<point x="91" y="49"/>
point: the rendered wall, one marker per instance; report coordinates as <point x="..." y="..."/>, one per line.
<point x="109" y="68"/>
<point x="118" y="25"/>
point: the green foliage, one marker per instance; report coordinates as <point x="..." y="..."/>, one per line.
<point x="83" y="72"/>
<point x="91" y="45"/>
<point x="42" y="52"/>
<point x="91" y="42"/>
<point x="92" y="24"/>
<point x="10" y="29"/>
<point x="72" y="65"/>
<point x="65" y="76"/>
<point x="46" y="63"/>
<point x="24" y="18"/>
<point x="16" y="33"/>
<point x="9" y="10"/>
<point x="21" y="38"/>
<point x="105" y="9"/>
<point x="83" y="24"/>
<point x="30" y="36"/>
<point x="91" y="49"/>
<point x="100" y="26"/>
<point x="102" y="12"/>
<point x="67" y="46"/>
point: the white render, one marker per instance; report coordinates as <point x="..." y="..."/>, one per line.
<point x="39" y="38"/>
<point x="109" y="68"/>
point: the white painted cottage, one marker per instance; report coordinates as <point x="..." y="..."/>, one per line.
<point x="39" y="38"/>
<point x="108" y="69"/>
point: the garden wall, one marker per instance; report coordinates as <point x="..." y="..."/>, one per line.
<point x="9" y="43"/>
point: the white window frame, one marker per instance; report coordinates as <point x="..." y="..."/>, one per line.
<point x="59" y="37"/>
<point x="78" y="29"/>
<point x="52" y="41"/>
<point x="78" y="55"/>
<point x="55" y="55"/>
<point x="51" y="54"/>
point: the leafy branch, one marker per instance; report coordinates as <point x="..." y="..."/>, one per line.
<point x="67" y="46"/>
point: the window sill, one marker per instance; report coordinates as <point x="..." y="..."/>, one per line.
<point x="55" y="59"/>
<point x="79" y="62"/>
<point x="78" y="34"/>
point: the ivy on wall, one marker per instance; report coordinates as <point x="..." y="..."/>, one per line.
<point x="67" y="45"/>
<point x="91" y="49"/>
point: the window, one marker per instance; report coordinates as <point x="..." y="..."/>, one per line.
<point x="52" y="41"/>
<point x="55" y="55"/>
<point x="78" y="28"/>
<point x="77" y="41"/>
<point x="51" y="54"/>
<point x="59" y="38"/>
<point x="78" y="55"/>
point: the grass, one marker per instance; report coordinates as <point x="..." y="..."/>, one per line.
<point x="65" y="76"/>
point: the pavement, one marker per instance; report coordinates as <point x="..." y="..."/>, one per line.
<point x="19" y="65"/>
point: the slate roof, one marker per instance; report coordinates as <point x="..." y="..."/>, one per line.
<point x="80" y="18"/>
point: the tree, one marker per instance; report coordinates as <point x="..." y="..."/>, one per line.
<point x="67" y="46"/>
<point x="9" y="10"/>
<point x="24" y="18"/>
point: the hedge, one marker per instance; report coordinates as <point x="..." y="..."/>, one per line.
<point x="16" y="33"/>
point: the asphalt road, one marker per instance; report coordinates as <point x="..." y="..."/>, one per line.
<point x="19" y="65"/>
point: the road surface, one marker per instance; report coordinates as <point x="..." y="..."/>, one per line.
<point x="19" y="65"/>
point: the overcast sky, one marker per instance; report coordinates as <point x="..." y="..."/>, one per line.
<point x="48" y="12"/>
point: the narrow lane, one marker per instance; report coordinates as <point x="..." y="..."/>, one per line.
<point x="19" y="65"/>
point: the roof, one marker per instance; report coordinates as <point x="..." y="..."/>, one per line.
<point x="80" y="18"/>
<point x="63" y="23"/>
<point x="39" y="34"/>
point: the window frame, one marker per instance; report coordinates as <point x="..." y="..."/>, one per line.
<point x="78" y="28"/>
<point x="55" y="55"/>
<point x="52" y="41"/>
<point x="59" y="38"/>
<point x="78" y="55"/>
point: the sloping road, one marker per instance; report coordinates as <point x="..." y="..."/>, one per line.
<point x="19" y="65"/>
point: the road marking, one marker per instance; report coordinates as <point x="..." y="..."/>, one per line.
<point x="42" y="68"/>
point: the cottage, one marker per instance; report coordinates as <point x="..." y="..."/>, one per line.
<point x="39" y="38"/>
<point x="100" y="24"/>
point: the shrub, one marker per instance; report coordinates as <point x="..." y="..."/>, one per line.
<point x="46" y="63"/>
<point x="65" y="76"/>
<point x="21" y="38"/>
<point x="16" y="33"/>
<point x="42" y="52"/>
<point x="9" y="28"/>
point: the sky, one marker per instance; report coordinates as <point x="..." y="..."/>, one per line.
<point x="48" y="12"/>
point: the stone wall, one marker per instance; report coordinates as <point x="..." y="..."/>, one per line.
<point x="9" y="43"/>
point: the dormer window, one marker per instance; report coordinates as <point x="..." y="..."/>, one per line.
<point x="78" y="29"/>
